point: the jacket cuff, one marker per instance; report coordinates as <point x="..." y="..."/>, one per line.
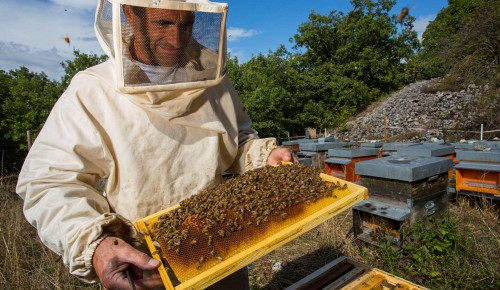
<point x="258" y="154"/>
<point x="111" y="225"/>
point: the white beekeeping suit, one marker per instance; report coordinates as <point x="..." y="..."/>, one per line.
<point x="159" y="121"/>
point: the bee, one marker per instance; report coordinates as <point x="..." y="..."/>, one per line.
<point x="200" y="261"/>
<point x="213" y="253"/>
<point x="402" y="15"/>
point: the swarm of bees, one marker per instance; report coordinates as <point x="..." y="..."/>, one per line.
<point x="239" y="206"/>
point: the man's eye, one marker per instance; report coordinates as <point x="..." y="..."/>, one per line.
<point x="186" y="26"/>
<point x="165" y="23"/>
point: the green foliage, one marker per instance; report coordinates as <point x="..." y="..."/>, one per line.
<point x="267" y="86"/>
<point x="81" y="62"/>
<point x="439" y="254"/>
<point x="26" y="99"/>
<point x="363" y="45"/>
<point x="463" y="45"/>
<point x="348" y="61"/>
<point x="430" y="241"/>
<point x="463" y="40"/>
<point x="26" y="102"/>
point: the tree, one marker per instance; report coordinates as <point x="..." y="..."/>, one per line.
<point x="462" y="45"/>
<point x="435" y="42"/>
<point x="27" y="100"/>
<point x="81" y="62"/>
<point x="341" y="64"/>
<point x="267" y="85"/>
<point x="363" y="45"/>
<point x="352" y="59"/>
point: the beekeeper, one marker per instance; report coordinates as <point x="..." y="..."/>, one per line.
<point x="157" y="122"/>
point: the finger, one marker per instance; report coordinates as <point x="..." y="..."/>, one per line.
<point x="293" y="157"/>
<point x="149" y="283"/>
<point x="133" y="256"/>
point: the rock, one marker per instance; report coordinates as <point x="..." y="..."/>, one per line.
<point x="410" y="112"/>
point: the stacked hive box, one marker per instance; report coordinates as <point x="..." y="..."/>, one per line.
<point x="294" y="144"/>
<point x="376" y="144"/>
<point x="478" y="173"/>
<point x="341" y="162"/>
<point x="401" y="189"/>
<point x="391" y="148"/>
<point x="311" y="152"/>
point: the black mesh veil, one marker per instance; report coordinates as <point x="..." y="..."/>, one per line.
<point x="163" y="45"/>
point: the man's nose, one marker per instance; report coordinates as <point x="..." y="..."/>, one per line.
<point x="178" y="37"/>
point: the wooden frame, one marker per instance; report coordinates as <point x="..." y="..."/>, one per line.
<point x="345" y="200"/>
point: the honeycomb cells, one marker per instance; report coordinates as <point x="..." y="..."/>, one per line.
<point x="220" y="221"/>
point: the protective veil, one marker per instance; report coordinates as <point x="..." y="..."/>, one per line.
<point x="163" y="45"/>
<point x="158" y="121"/>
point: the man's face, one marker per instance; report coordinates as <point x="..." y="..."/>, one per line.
<point x="160" y="36"/>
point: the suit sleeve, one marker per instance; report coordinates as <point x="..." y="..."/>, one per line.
<point x="58" y="185"/>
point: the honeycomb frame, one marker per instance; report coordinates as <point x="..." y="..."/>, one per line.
<point x="314" y="215"/>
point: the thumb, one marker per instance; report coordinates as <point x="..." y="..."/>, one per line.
<point x="141" y="260"/>
<point x="138" y="258"/>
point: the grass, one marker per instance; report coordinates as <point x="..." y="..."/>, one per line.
<point x="25" y="263"/>
<point x="460" y="251"/>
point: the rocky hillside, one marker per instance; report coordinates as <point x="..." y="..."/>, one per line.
<point x="417" y="112"/>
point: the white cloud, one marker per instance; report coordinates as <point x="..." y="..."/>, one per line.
<point x="421" y="23"/>
<point x="234" y="33"/>
<point x="47" y="61"/>
<point x="32" y="34"/>
<point x="238" y="53"/>
<point x="78" y="4"/>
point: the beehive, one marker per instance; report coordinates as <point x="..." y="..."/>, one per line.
<point x="478" y="173"/>
<point x="341" y="162"/>
<point x="220" y="230"/>
<point x="348" y="273"/>
<point x="402" y="189"/>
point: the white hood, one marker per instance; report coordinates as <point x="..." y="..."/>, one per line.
<point x="200" y="61"/>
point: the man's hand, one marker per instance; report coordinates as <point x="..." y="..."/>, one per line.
<point x="114" y="256"/>
<point x="281" y="154"/>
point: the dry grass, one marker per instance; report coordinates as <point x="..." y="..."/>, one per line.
<point x="25" y="263"/>
<point x="305" y="254"/>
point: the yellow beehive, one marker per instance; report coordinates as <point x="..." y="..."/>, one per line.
<point x="201" y="259"/>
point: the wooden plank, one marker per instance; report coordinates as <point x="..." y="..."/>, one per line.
<point x="342" y="281"/>
<point x="363" y="278"/>
<point x="324" y="275"/>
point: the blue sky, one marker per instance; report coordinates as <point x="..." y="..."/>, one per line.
<point x="32" y="31"/>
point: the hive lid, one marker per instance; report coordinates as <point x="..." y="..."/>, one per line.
<point x="343" y="161"/>
<point x="307" y="154"/>
<point x="393" y="146"/>
<point x="426" y="150"/>
<point x="494" y="167"/>
<point x="315" y="147"/>
<point x="405" y="168"/>
<point x="352" y="152"/>
<point x="299" y="141"/>
<point x="486" y="156"/>
<point x="372" y="144"/>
